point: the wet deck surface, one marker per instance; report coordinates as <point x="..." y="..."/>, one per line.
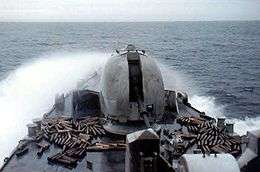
<point x="103" y="161"/>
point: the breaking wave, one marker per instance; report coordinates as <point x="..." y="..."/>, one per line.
<point x="30" y="90"/>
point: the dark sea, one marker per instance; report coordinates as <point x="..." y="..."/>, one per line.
<point x="218" y="63"/>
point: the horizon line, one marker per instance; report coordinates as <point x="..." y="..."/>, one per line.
<point x="145" y="21"/>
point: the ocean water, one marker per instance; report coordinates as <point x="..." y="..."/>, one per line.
<point x="216" y="63"/>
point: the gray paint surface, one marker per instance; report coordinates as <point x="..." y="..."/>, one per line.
<point x="115" y="88"/>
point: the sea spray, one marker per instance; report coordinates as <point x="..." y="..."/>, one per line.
<point x="29" y="91"/>
<point x="175" y="80"/>
<point x="208" y="105"/>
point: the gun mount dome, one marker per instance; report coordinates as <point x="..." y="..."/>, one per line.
<point x="132" y="85"/>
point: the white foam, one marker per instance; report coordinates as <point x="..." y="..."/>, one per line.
<point x="30" y="90"/>
<point x="207" y="104"/>
<point x="249" y="124"/>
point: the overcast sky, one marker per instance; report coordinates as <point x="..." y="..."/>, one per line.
<point x="128" y="10"/>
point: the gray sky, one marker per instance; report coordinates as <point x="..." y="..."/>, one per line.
<point x="128" y="10"/>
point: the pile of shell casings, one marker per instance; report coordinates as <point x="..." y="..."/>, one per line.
<point x="208" y="137"/>
<point x="73" y="136"/>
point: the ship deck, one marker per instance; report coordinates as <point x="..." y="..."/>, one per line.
<point x="107" y="161"/>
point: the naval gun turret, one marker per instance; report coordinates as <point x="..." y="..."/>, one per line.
<point x="132" y="91"/>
